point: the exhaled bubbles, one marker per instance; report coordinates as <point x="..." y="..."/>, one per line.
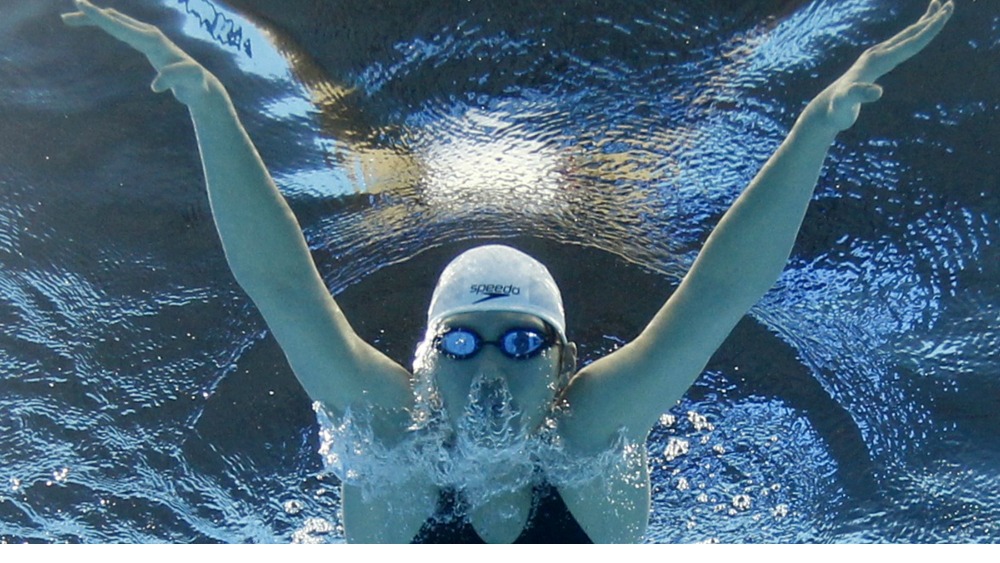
<point x="489" y="418"/>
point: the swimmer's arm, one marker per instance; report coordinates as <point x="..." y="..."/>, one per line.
<point x="740" y="261"/>
<point x="263" y="242"/>
<point x="271" y="261"/>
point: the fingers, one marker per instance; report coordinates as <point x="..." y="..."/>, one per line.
<point x="116" y="24"/>
<point x="76" y="19"/>
<point x="88" y="14"/>
<point x="913" y="29"/>
<point x="140" y="36"/>
<point x="927" y="26"/>
<point x="889" y="54"/>
<point x="176" y="70"/>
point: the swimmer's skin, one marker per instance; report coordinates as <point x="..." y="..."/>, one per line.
<point x="628" y="389"/>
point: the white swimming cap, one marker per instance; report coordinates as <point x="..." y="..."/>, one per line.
<point x="497" y="278"/>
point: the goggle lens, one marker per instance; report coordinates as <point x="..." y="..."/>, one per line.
<point x="459" y="343"/>
<point x="521" y="343"/>
<point x="517" y="343"/>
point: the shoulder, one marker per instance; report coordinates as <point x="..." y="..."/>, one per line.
<point x="614" y="506"/>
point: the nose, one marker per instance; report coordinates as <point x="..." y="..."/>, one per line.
<point x="490" y="363"/>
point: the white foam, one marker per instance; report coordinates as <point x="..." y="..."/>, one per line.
<point x="486" y="456"/>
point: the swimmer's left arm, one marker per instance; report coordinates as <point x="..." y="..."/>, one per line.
<point x="741" y="260"/>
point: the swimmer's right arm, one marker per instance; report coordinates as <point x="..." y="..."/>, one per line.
<point x="263" y="242"/>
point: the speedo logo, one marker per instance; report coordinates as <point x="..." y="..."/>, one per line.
<point x="493" y="291"/>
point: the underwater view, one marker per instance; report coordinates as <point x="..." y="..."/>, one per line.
<point x="143" y="398"/>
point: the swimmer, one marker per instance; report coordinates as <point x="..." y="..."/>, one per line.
<point x="496" y="368"/>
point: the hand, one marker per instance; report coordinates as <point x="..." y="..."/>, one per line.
<point x="176" y="70"/>
<point x="842" y="100"/>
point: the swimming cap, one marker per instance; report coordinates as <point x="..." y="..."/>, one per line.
<point x="497" y="278"/>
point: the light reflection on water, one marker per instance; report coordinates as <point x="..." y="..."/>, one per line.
<point x="142" y="402"/>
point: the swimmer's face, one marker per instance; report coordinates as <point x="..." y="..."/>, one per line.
<point x="527" y="386"/>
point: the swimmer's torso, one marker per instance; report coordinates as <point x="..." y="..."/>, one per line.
<point x="610" y="507"/>
<point x="549" y="522"/>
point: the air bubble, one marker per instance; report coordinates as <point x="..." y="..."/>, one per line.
<point x="313" y="531"/>
<point x="700" y="422"/>
<point x="741" y="502"/>
<point x="676" y="448"/>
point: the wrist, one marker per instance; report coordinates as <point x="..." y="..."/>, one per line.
<point x="210" y="96"/>
<point x="817" y="121"/>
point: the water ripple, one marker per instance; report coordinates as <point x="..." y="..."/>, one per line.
<point x="143" y="401"/>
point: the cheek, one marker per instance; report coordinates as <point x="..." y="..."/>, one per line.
<point x="535" y="387"/>
<point x="453" y="387"/>
<point x="440" y="381"/>
<point x="454" y="396"/>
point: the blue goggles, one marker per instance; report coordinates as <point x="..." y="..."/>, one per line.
<point x="518" y="343"/>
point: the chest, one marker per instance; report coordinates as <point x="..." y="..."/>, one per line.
<point x="606" y="500"/>
<point x="538" y="515"/>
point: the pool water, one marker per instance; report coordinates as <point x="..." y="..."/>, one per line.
<point x="143" y="400"/>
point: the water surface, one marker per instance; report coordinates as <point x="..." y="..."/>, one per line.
<point x="144" y="400"/>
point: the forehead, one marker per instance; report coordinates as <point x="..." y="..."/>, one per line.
<point x="492" y="322"/>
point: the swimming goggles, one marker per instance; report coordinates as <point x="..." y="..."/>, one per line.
<point x="517" y="343"/>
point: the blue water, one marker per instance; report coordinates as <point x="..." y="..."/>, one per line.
<point x="142" y="399"/>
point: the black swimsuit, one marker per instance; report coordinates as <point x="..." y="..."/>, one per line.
<point x="549" y="522"/>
